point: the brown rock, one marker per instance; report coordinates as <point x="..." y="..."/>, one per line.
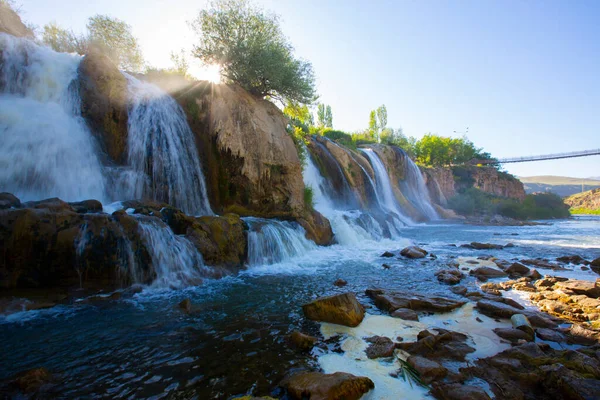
<point x="32" y="380"/>
<point x="10" y="22"/>
<point x="574" y="259"/>
<point x="319" y="386"/>
<point x="517" y="269"/>
<point x="342" y="309"/>
<point x="387" y="254"/>
<point x="380" y="346"/>
<point x="87" y="206"/>
<point x="485" y="246"/>
<point x="391" y="301"/>
<point x="449" y="276"/>
<point x="496" y="309"/>
<point x="185" y="305"/>
<point x="534" y="274"/>
<point x="550" y="335"/>
<point x="428" y="370"/>
<point x="587" y="288"/>
<point x="302" y="341"/>
<point x="457" y="391"/>
<point x="513" y="335"/>
<point x="488" y="272"/>
<point x="413" y="252"/>
<point x="8" y="200"/>
<point x="439" y="344"/>
<point x="405" y="313"/>
<point x="340" y="282"/>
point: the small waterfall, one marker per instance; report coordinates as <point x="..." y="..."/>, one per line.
<point x="175" y="260"/>
<point x="385" y="194"/>
<point x="272" y="241"/>
<point x="47" y="150"/>
<point x="162" y="152"/>
<point x="415" y="189"/>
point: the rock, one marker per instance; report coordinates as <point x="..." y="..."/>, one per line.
<point x="413" y="252"/>
<point x="460" y="290"/>
<point x="567" y="384"/>
<point x="391" y="301"/>
<point x="484" y="246"/>
<point x="319" y="386"/>
<point x="488" y="272"/>
<point x="496" y="309"/>
<point x="513" y="335"/>
<point x="380" y="346"/>
<point x="317" y="227"/>
<point x="10" y="22"/>
<point x="104" y="100"/>
<point x="439" y="344"/>
<point x="8" y="200"/>
<point x="340" y="282"/>
<point x="517" y="269"/>
<point x="54" y="204"/>
<point x="587" y="288"/>
<point x="87" y="206"/>
<point x="458" y="391"/>
<point x="550" y="335"/>
<point x="575" y="259"/>
<point x="185" y="305"/>
<point x="387" y="254"/>
<point x="520" y="322"/>
<point x="405" y="313"/>
<point x="341" y="309"/>
<point x="302" y="341"/>
<point x="449" y="276"/>
<point x="595" y="263"/>
<point x="534" y="274"/>
<point x="32" y="380"/>
<point x="428" y="370"/>
<point x="386" y="266"/>
<point x="540" y="263"/>
<point x="509" y="245"/>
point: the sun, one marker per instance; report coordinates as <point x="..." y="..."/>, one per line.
<point x="211" y="73"/>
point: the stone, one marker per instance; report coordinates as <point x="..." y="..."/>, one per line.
<point x="534" y="274"/>
<point x="517" y="269"/>
<point x="438" y="344"/>
<point x="460" y="290"/>
<point x="496" y="309"/>
<point x="485" y="246"/>
<point x="405" y="313"/>
<point x="550" y="335"/>
<point x="458" y="391"/>
<point x="541" y="263"/>
<point x="513" y="335"/>
<point x="340" y="282"/>
<point x="11" y="23"/>
<point x="302" y="341"/>
<point x="574" y="259"/>
<point x="32" y="380"/>
<point x="8" y="200"/>
<point x="413" y="252"/>
<point x="488" y="272"/>
<point x="509" y="245"/>
<point x="595" y="263"/>
<point x="341" y="309"/>
<point x="587" y="288"/>
<point x="185" y="305"/>
<point x="428" y="370"/>
<point x="387" y="254"/>
<point x="380" y="346"/>
<point x="520" y="322"/>
<point x="390" y="301"/>
<point x="320" y="386"/>
<point x="449" y="276"/>
<point x="87" y="206"/>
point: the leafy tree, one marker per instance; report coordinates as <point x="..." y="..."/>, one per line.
<point x="63" y="40"/>
<point x="321" y="114"/>
<point x="115" y="39"/>
<point x="381" y="117"/>
<point x="298" y="112"/>
<point x="328" y="117"/>
<point x="252" y="51"/>
<point x="373" y="124"/>
<point x="180" y="62"/>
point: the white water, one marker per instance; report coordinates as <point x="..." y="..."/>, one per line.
<point x="273" y="241"/>
<point x="162" y="152"/>
<point x="47" y="150"/>
<point x="416" y="189"/>
<point x="383" y="186"/>
<point x="175" y="260"/>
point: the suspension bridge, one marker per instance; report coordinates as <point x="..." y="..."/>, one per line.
<point x="558" y="156"/>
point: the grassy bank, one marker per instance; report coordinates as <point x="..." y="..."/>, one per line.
<point x="585" y="211"/>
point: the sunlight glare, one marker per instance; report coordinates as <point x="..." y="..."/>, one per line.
<point x="211" y="73"/>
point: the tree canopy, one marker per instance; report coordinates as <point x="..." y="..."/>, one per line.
<point x="252" y="51"/>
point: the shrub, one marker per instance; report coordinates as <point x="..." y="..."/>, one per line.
<point x="309" y="197"/>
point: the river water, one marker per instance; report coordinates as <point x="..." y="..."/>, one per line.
<point x="233" y="340"/>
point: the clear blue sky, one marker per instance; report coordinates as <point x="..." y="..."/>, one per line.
<point x="522" y="75"/>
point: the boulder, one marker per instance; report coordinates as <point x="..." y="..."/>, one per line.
<point x="574" y="259"/>
<point x="390" y="301"/>
<point x="302" y="341"/>
<point x="8" y="200"/>
<point x="32" y="380"/>
<point x="487" y="272"/>
<point x="438" y="344"/>
<point x="340" y="282"/>
<point x="513" y="335"/>
<point x="87" y="206"/>
<point x="428" y="370"/>
<point x="320" y="386"/>
<point x="587" y="288"/>
<point x="517" y="269"/>
<point x="496" y="309"/>
<point x="483" y="246"/>
<point x="341" y="309"/>
<point x="104" y="102"/>
<point x="449" y="276"/>
<point x="185" y="305"/>
<point x="458" y="391"/>
<point x="54" y="204"/>
<point x="405" y="313"/>
<point x="413" y="252"/>
<point x="387" y="254"/>
<point x="380" y="346"/>
<point x="550" y="335"/>
<point x="542" y="263"/>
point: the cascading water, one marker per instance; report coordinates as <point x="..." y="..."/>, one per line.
<point x="385" y="194"/>
<point x="272" y="241"/>
<point x="175" y="260"/>
<point x="161" y="152"/>
<point x="415" y="189"/>
<point x="47" y="150"/>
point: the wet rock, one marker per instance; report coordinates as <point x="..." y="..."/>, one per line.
<point x="513" y="335"/>
<point x="517" y="269"/>
<point x="380" y="346"/>
<point x="386" y="266"/>
<point x="509" y="245"/>
<point x="319" y="386"/>
<point x="542" y="263"/>
<point x="496" y="309"/>
<point x="302" y="341"/>
<point x="387" y="254"/>
<point x="32" y="380"/>
<point x="428" y="370"/>
<point x="8" y="200"/>
<point x="341" y="309"/>
<point x="520" y="322"/>
<point x="488" y="272"/>
<point x="390" y="301"/>
<point x="581" y="335"/>
<point x="587" y="288"/>
<point x="550" y="335"/>
<point x="595" y="263"/>
<point x="340" y="282"/>
<point x="568" y="384"/>
<point x="405" y="313"/>
<point x="449" y="276"/>
<point x="574" y="259"/>
<point x="459" y="290"/>
<point x="185" y="305"/>
<point x="457" y="391"/>
<point x="438" y="344"/>
<point x="413" y="252"/>
<point x="534" y="274"/>
<point x="53" y="204"/>
<point x="483" y="246"/>
<point x="87" y="206"/>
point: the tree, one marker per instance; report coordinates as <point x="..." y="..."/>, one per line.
<point x="321" y="115"/>
<point x="373" y="124"/>
<point x="252" y="51"/>
<point x="328" y="117"/>
<point x="114" y="38"/>
<point x="63" y="40"/>
<point x="382" y="117"/>
<point x="180" y="62"/>
<point x="298" y="112"/>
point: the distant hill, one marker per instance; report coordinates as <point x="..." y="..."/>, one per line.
<point x="589" y="200"/>
<point x="560" y="185"/>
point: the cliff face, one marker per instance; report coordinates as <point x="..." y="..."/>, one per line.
<point x="449" y="181"/>
<point x="11" y="23"/>
<point x="589" y="200"/>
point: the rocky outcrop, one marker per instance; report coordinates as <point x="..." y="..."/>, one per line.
<point x="250" y="162"/>
<point x="319" y="386"/>
<point x="341" y="309"/>
<point x="104" y="99"/>
<point x="11" y="23"/>
<point x="391" y="301"/>
<point x="589" y="200"/>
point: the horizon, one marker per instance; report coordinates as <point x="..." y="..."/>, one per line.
<point x="511" y="76"/>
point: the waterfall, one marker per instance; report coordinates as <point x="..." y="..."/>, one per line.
<point x="162" y="152"/>
<point x="415" y="189"/>
<point x="175" y="260"/>
<point x="385" y="194"/>
<point x="47" y="150"/>
<point x="273" y="241"/>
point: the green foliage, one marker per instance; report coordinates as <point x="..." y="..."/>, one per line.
<point x="340" y="137"/>
<point x="309" y="195"/>
<point x="63" y="40"/>
<point x="373" y="124"/>
<point x="298" y="135"/>
<point x="535" y="206"/>
<point x="381" y="117"/>
<point x="324" y="116"/>
<point x="252" y="51"/>
<point x="587" y="211"/>
<point x="298" y="112"/>
<point x="395" y="137"/>
<point x="440" y="151"/>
